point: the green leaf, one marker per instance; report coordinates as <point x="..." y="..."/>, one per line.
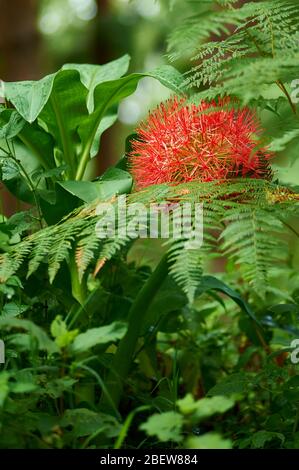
<point x="205" y="407"/>
<point x="260" y="438"/>
<point x="42" y="339"/>
<point x="114" y="181"/>
<point x="65" y="202"/>
<point x="105" y="123"/>
<point x="169" y="77"/>
<point x="59" y="331"/>
<point x="212" y="283"/>
<point x="56" y="388"/>
<point x="23" y="387"/>
<point x="210" y="440"/>
<point x="29" y="97"/>
<point x="76" y="105"/>
<point x="86" y="422"/>
<point x="63" y="112"/>
<point x="11" y="123"/>
<point x="40" y="143"/>
<point x="13" y="309"/>
<point x="108" y="94"/>
<point x="166" y="426"/>
<point x="93" y="75"/>
<point x="102" y="335"/>
<point x="233" y="384"/>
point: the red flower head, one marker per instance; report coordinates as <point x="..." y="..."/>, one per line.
<point x="183" y="142"/>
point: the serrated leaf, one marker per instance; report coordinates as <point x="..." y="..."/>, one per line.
<point x="209" y="440"/>
<point x="166" y="426"/>
<point x="205" y="407"/>
<point x="102" y="335"/>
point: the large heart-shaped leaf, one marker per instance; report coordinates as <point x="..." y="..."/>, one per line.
<point x="93" y="75"/>
<point x="75" y="106"/>
<point x="29" y="97"/>
<point x="114" y="181"/>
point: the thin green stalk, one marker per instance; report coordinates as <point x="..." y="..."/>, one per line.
<point x="103" y="387"/>
<point x="18" y="162"/>
<point x="127" y="346"/>
<point x="78" y="286"/>
<point x="65" y="140"/>
<point x="127" y="424"/>
<point x="285" y="91"/>
<point x="83" y="164"/>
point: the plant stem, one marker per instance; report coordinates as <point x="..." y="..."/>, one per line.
<point x="137" y="315"/>
<point x="65" y="139"/>
<point x="18" y="162"/>
<point x="78" y="287"/>
<point x="285" y="91"/>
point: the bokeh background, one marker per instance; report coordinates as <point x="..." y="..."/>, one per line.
<point x="38" y="36"/>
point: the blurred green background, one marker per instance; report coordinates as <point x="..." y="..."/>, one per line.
<point x="38" y="36"/>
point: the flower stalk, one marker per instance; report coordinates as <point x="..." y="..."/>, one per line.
<point x="137" y="315"/>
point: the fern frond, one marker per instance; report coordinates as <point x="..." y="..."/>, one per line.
<point x="11" y="261"/>
<point x="86" y="249"/>
<point x="185" y="265"/>
<point x="258" y="47"/>
<point x="253" y="240"/>
<point x="246" y="212"/>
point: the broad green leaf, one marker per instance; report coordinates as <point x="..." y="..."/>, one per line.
<point x="101" y="335"/>
<point x="87" y="191"/>
<point x="29" y="97"/>
<point x="233" y="384"/>
<point x="63" y="113"/>
<point x="102" y="189"/>
<point x="166" y="426"/>
<point x="40" y="143"/>
<point x="105" y="123"/>
<point x="110" y="93"/>
<point x="210" y="440"/>
<point x="23" y="387"/>
<point x="76" y="105"/>
<point x="114" y="181"/>
<point x="13" y="309"/>
<point x="212" y="283"/>
<point x="169" y="77"/>
<point x="93" y="75"/>
<point x="59" y="331"/>
<point x="85" y="422"/>
<point x="260" y="438"/>
<point x="205" y="407"/>
<point x="55" y="388"/>
<point x="64" y="203"/>
<point x="11" y="123"/>
<point x="41" y="337"/>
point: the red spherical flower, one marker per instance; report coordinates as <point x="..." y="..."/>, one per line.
<point x="182" y="142"/>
